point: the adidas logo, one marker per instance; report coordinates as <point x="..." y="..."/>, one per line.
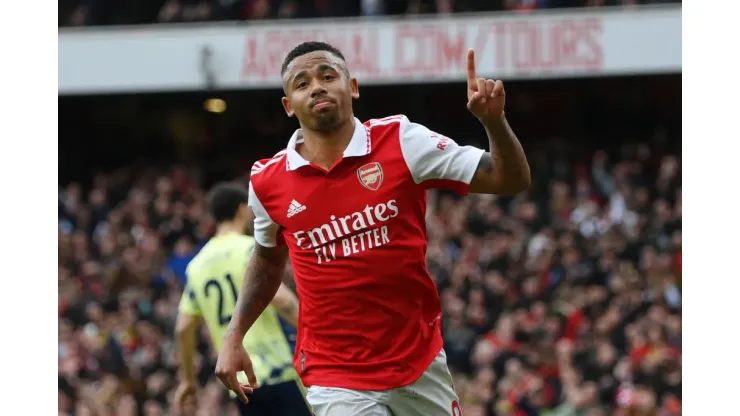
<point x="295" y="207"/>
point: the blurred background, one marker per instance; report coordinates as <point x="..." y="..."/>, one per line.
<point x="564" y="300"/>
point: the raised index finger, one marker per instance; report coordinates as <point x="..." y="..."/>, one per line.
<point x="471" y="69"/>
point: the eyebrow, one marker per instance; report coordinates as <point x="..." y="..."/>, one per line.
<point x="299" y="75"/>
<point x="325" y="67"/>
<point x="322" y="67"/>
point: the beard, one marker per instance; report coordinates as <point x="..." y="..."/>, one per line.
<point x="327" y="121"/>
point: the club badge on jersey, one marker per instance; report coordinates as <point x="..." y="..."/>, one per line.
<point x="370" y="175"/>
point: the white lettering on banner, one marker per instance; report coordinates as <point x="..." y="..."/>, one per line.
<point x="358" y="231"/>
<point x="508" y="46"/>
<point x="434" y="49"/>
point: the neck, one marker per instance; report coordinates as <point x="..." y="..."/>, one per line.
<point x="228" y="227"/>
<point x="324" y="148"/>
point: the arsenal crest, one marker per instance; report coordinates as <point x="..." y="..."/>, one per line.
<point x="370" y="175"/>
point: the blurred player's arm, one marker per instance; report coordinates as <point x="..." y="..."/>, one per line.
<point x="286" y="303"/>
<point x="504" y="170"/>
<point x="186" y="332"/>
<point x="90" y="396"/>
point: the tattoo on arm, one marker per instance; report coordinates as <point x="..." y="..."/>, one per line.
<point x="484" y="177"/>
<point x="263" y="278"/>
<point x="485" y="165"/>
<point x="504" y="170"/>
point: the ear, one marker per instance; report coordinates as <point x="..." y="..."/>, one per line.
<point x="354" y="88"/>
<point x="288" y="107"/>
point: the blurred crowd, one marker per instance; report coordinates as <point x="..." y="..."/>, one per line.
<point x="563" y="301"/>
<point x="101" y="12"/>
<point x="568" y="301"/>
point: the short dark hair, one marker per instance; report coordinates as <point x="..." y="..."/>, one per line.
<point x="308" y="47"/>
<point x="225" y="199"/>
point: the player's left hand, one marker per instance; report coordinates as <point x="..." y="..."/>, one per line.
<point x="232" y="359"/>
<point x="185" y="390"/>
<point x="486" y="97"/>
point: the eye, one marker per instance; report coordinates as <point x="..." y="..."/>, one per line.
<point x="302" y="84"/>
<point x="328" y="77"/>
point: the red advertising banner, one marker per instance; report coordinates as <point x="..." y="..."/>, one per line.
<point x="438" y="49"/>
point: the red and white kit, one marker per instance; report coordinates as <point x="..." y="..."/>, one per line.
<point x="370" y="313"/>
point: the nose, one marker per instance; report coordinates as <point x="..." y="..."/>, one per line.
<point x="317" y="88"/>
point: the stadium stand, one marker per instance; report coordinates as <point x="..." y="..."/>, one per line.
<point x="102" y="13"/>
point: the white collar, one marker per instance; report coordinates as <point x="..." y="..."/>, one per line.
<point x="359" y="145"/>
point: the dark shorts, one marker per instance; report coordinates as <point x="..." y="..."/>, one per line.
<point x="283" y="399"/>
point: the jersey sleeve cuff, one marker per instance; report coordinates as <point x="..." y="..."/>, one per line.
<point x="264" y="241"/>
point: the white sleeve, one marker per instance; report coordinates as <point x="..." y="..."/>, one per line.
<point x="265" y="230"/>
<point x="436" y="161"/>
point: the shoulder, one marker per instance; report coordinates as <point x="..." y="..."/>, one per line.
<point x="398" y="126"/>
<point x="389" y="129"/>
<point x="263" y="176"/>
<point x="191" y="271"/>
<point x="378" y="126"/>
<point x="196" y="264"/>
<point x="264" y="169"/>
<point x="385" y="121"/>
<point x="243" y="242"/>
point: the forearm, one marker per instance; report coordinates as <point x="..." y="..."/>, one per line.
<point x="186" y="340"/>
<point x="286" y="304"/>
<point x="509" y="166"/>
<point x="263" y="278"/>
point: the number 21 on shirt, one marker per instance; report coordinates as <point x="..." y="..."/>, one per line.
<point x="214" y="287"/>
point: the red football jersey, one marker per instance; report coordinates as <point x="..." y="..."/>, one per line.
<point x="369" y="313"/>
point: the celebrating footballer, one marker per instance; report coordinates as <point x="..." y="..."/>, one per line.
<point x="346" y="201"/>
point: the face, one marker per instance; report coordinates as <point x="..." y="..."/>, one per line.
<point x="319" y="91"/>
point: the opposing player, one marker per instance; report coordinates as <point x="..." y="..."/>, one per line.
<point x="211" y="292"/>
<point x="346" y="200"/>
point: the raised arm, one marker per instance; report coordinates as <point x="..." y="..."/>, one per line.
<point x="436" y="161"/>
<point x="504" y="170"/>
